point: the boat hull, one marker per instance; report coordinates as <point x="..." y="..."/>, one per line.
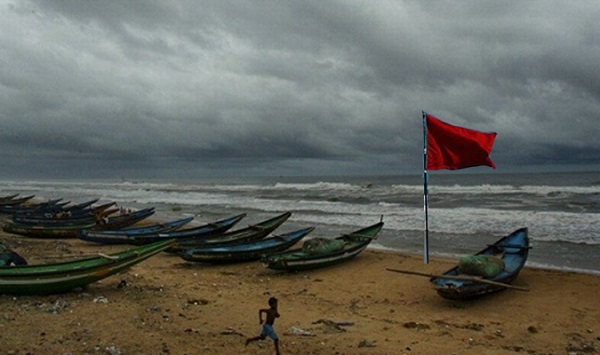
<point x="66" y="276"/>
<point x="248" y="251"/>
<point x="514" y="249"/>
<point x="299" y="260"/>
<point x="251" y="233"/>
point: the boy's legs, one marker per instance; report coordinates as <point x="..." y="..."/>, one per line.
<point x="249" y="340"/>
<point x="276" y="342"/>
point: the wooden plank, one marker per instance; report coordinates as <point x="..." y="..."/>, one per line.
<point x="461" y="277"/>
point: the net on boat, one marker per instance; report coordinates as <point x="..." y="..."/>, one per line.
<point x="487" y="266"/>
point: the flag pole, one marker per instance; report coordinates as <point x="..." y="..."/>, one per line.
<point x="425" y="208"/>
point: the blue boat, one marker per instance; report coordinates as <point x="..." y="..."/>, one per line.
<point x="251" y="233"/>
<point x="246" y="251"/>
<point x="147" y="235"/>
<point x="119" y="236"/>
<point x="513" y="249"/>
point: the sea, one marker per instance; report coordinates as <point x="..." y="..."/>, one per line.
<point x="465" y="211"/>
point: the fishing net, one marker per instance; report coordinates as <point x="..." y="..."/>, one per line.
<point x="487" y="266"/>
<point x="322" y="245"/>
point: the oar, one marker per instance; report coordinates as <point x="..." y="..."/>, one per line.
<point x="103" y="255"/>
<point x="461" y="277"/>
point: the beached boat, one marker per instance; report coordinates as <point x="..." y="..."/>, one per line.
<point x="8" y="198"/>
<point x="59" y="211"/>
<point x="69" y="217"/>
<point x="148" y="229"/>
<point x="247" y="251"/>
<point x="46" y="231"/>
<point x="55" y="220"/>
<point x="335" y="251"/>
<point x="124" y="220"/>
<point x="53" y="230"/>
<point x="513" y="250"/>
<point x="16" y="204"/>
<point x="14" y="200"/>
<point x="66" y="276"/>
<point x="251" y="233"/>
<point x="150" y="234"/>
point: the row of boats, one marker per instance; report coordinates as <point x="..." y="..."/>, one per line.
<point x="215" y="242"/>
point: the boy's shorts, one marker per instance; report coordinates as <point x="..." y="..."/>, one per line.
<point x="268" y="331"/>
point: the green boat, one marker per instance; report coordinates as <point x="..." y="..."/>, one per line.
<point x="329" y="252"/>
<point x="62" y="277"/>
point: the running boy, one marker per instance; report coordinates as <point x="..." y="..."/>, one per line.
<point x="267" y="329"/>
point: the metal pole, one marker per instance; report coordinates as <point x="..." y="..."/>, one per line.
<point x="425" y="207"/>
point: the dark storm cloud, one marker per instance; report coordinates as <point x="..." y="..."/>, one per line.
<point x="295" y="87"/>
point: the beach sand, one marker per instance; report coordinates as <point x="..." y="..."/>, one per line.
<point x="170" y="306"/>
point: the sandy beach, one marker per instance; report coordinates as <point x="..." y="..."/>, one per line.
<point x="170" y="306"/>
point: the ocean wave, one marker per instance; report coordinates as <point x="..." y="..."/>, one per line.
<point x="355" y="204"/>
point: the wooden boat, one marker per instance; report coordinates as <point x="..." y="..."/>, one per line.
<point x="302" y="259"/>
<point x="62" y="211"/>
<point x="104" y="209"/>
<point x="55" y="218"/>
<point x="80" y="206"/>
<point x="19" y="205"/>
<point x="15" y="203"/>
<point x="247" y="251"/>
<point x="13" y="200"/>
<point x="8" y="198"/>
<point x="50" y="231"/>
<point x="55" y="211"/>
<point x="513" y="249"/>
<point x="251" y="233"/>
<point x="149" y="229"/>
<point x="65" y="276"/>
<point x="72" y="230"/>
<point x="124" y="220"/>
<point x="141" y="236"/>
<point x="65" y="218"/>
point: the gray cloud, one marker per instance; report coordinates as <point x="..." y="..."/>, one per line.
<point x="293" y="87"/>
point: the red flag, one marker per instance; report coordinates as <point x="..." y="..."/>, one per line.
<point x="452" y="147"/>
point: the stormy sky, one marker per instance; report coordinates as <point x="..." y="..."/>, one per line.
<point x="210" y="88"/>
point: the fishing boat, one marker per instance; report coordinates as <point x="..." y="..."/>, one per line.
<point x="53" y="230"/>
<point x="340" y="249"/>
<point x="251" y="233"/>
<point x="150" y="234"/>
<point x="124" y="220"/>
<point x="512" y="249"/>
<point x="16" y="204"/>
<point x="46" y="231"/>
<point x="148" y="229"/>
<point x="8" y="198"/>
<point x="56" y="212"/>
<point x="65" y="218"/>
<point x="14" y="200"/>
<point x="51" y="210"/>
<point x="246" y="251"/>
<point x="66" y="276"/>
